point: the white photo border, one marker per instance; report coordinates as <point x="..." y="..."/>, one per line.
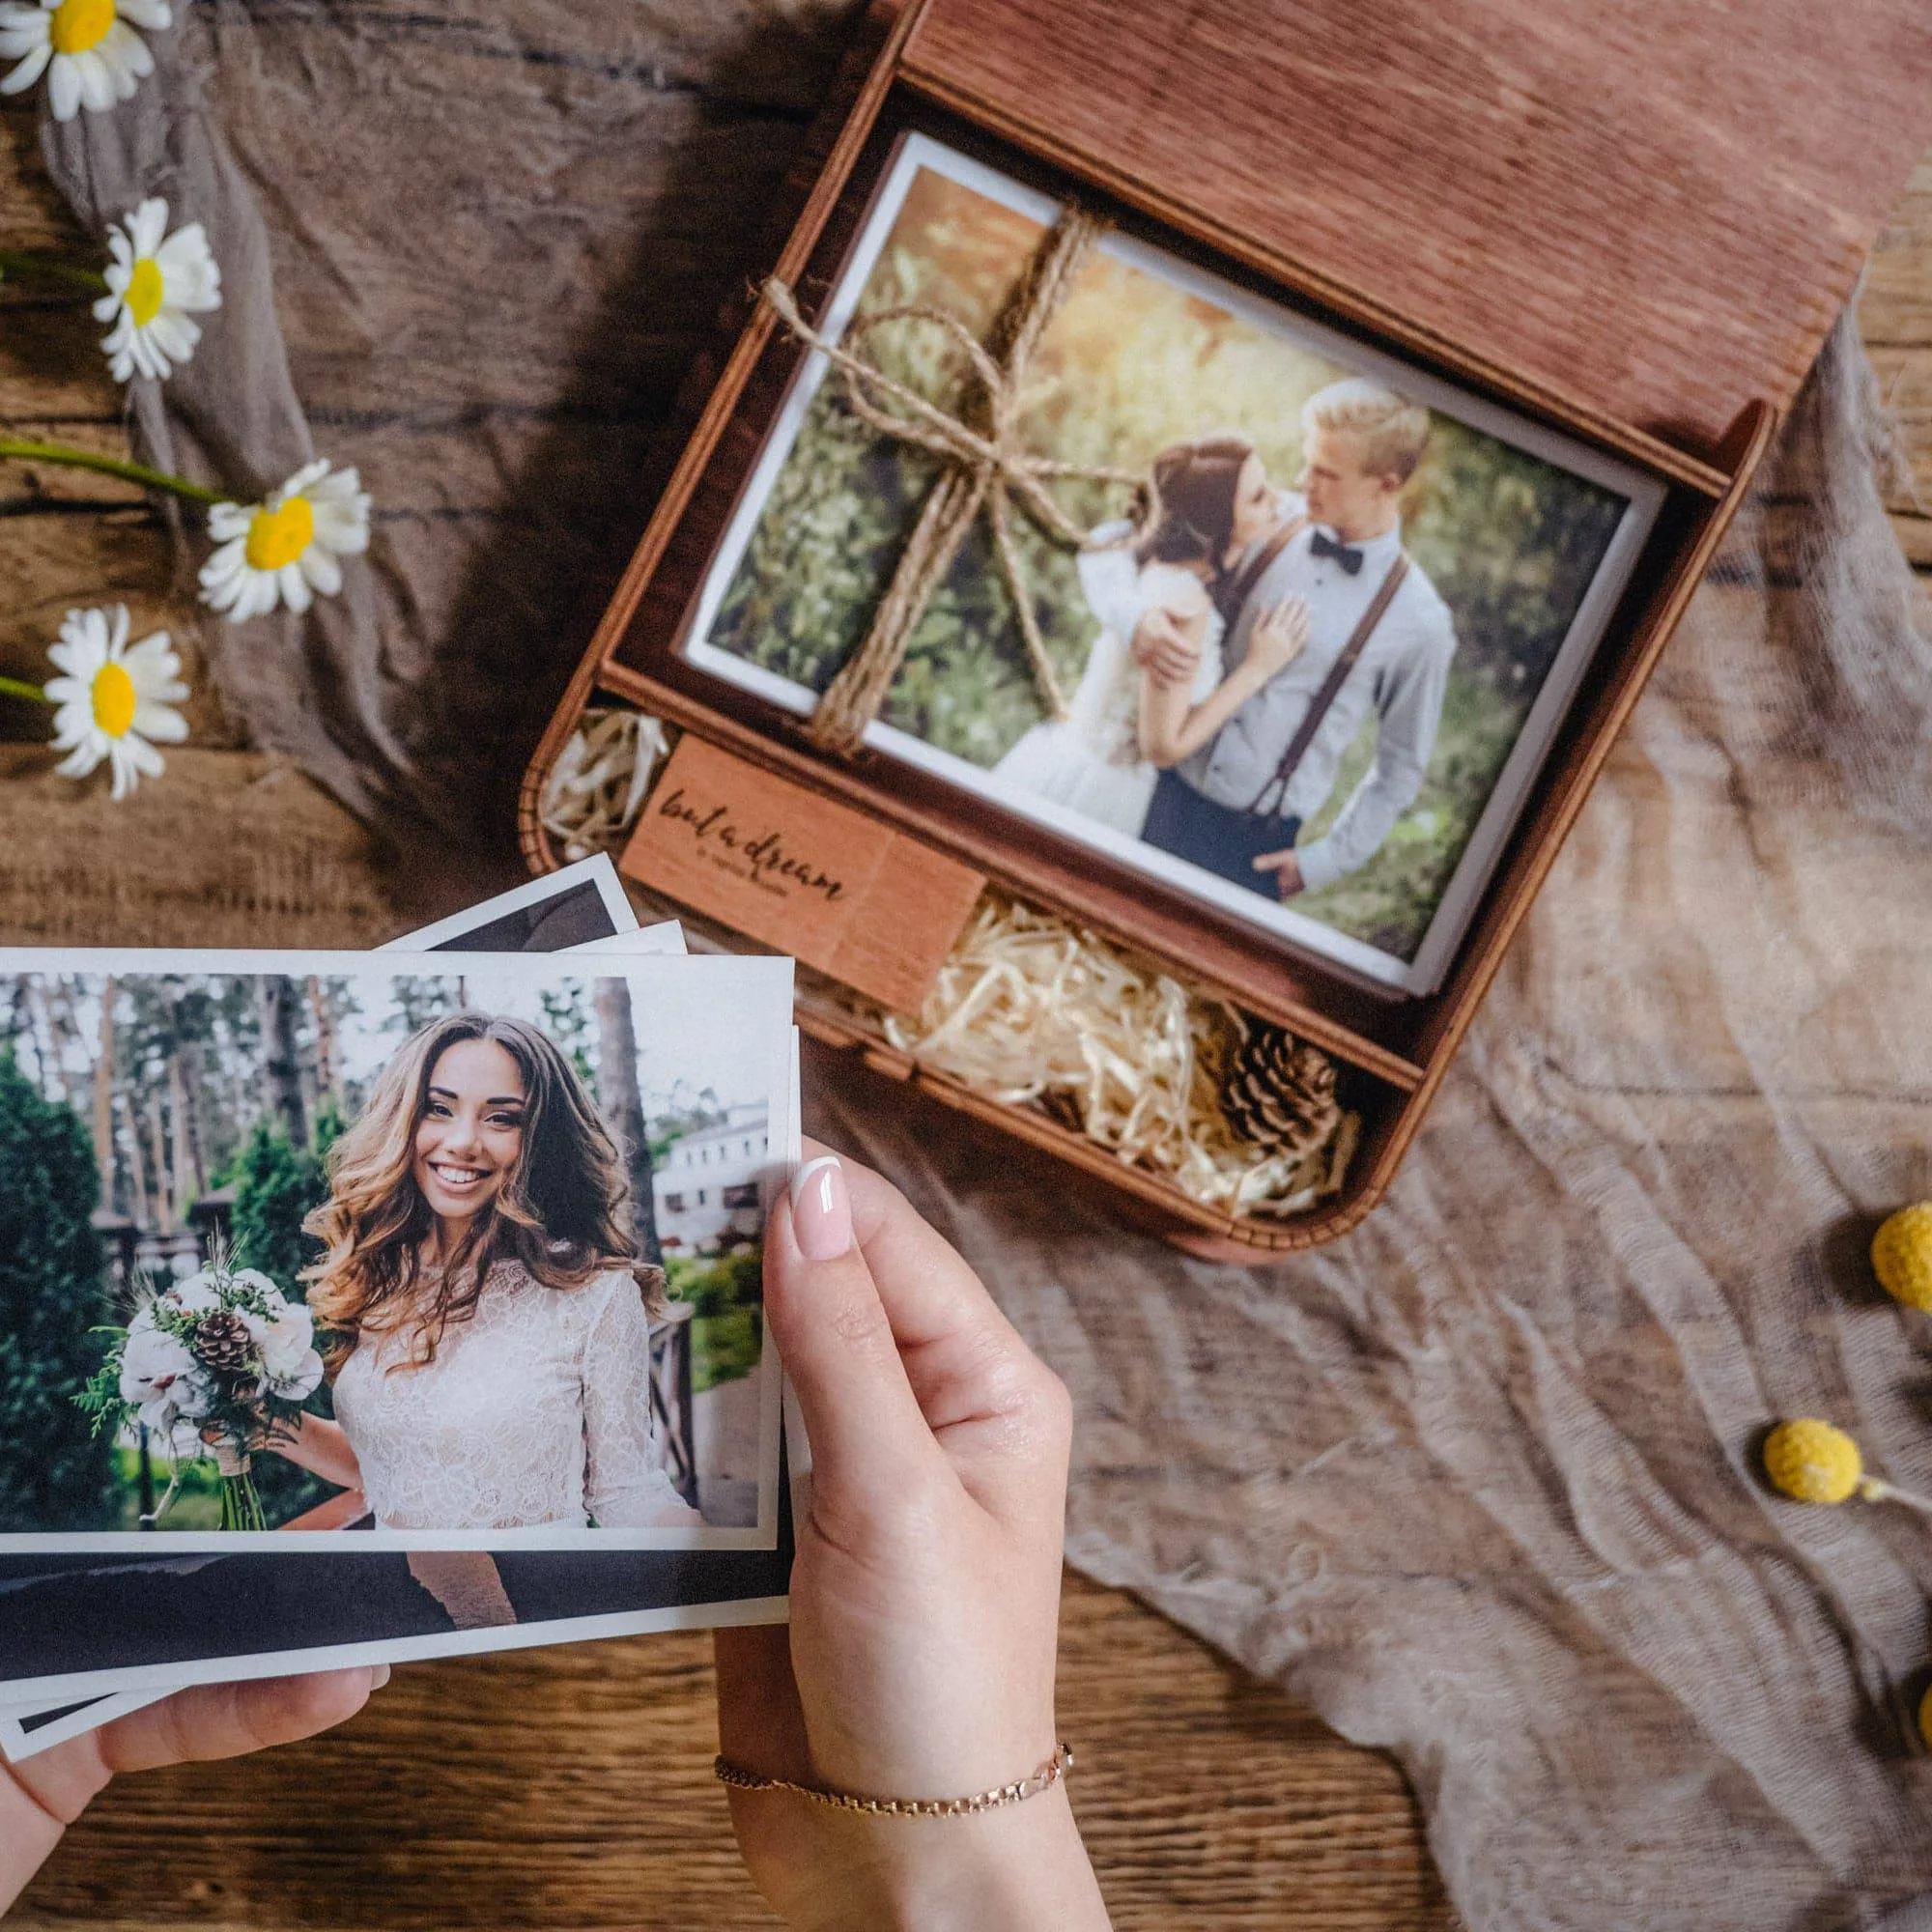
<point x="782" y="1135"/>
<point x="1644" y="498"/>
<point x="86" y="1713"/>
<point x="596" y="871"/>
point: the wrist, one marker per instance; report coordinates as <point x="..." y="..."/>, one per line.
<point x="1015" y="1868"/>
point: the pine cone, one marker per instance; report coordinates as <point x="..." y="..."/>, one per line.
<point x="223" y="1342"/>
<point x="1278" y="1093"/>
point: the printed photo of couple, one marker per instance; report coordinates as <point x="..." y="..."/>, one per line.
<point x="1313" y="661"/>
<point x="457" y="1259"/>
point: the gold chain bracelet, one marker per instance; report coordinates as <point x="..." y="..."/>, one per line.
<point x="1044" y="1778"/>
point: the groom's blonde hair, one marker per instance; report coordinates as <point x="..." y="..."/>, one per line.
<point x="1392" y="429"/>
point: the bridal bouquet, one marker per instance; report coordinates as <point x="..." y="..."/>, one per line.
<point x="210" y="1366"/>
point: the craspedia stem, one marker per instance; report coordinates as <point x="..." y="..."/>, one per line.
<point x="1876" y="1489"/>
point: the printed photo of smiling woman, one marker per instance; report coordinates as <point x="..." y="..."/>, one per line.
<point x="487" y="1323"/>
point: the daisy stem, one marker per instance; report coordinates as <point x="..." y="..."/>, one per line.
<point x="16" y="687"/>
<point x="24" y="451"/>
<point x="17" y="262"/>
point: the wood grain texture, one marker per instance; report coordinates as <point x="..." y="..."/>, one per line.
<point x="230" y="848"/>
<point x="573" y="1788"/>
<point x="1895" y="311"/>
<point x="1657" y="210"/>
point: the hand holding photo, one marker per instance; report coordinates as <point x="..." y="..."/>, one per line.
<point x="1257" y="611"/>
<point x="439" y="1288"/>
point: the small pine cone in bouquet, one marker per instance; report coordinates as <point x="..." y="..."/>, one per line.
<point x="223" y="1343"/>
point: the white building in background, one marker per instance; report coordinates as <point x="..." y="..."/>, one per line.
<point x="706" y="1184"/>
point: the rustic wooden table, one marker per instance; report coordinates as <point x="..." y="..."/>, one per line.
<point x="572" y="1787"/>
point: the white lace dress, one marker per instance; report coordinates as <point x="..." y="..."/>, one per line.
<point x="1091" y="764"/>
<point x="536" y="1410"/>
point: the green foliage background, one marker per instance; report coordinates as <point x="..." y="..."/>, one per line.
<point x="52" y="1293"/>
<point x="726" y="1292"/>
<point x="1131" y="364"/>
<point x="276" y="1186"/>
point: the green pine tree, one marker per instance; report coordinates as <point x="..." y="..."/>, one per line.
<point x="56" y="1474"/>
<point x="277" y="1186"/>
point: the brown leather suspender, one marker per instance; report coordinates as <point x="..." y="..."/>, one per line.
<point x="1338" y="676"/>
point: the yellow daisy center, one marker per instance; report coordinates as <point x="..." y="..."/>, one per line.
<point x="80" y="24"/>
<point x="114" y="700"/>
<point x="145" y="288"/>
<point x="276" y="537"/>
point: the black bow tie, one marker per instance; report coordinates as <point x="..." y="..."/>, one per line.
<point x="1348" y="555"/>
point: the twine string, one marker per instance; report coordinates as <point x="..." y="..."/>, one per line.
<point x="985" y="466"/>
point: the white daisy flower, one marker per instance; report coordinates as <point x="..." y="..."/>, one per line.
<point x="156" y="280"/>
<point x="91" y="56"/>
<point x="284" y="550"/>
<point x="114" y="699"/>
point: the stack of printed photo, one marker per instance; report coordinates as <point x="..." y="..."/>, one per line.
<point x="357" y="1308"/>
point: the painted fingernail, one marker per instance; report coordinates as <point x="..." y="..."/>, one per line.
<point x="821" y="1210"/>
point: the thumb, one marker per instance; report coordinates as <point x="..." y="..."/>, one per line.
<point x="864" y="1423"/>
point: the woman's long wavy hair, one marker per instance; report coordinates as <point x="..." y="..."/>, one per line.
<point x="562" y="1210"/>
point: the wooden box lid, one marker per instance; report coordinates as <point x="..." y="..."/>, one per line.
<point x="1654" y="208"/>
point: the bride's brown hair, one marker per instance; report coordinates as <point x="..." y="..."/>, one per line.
<point x="1194" y="484"/>
<point x="562" y="1210"/>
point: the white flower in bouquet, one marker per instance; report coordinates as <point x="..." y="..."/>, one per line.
<point x="113" y="700"/>
<point x="196" y="1294"/>
<point x="155" y="1370"/>
<point x="195" y="1394"/>
<point x="91" y="56"/>
<point x="289" y="1355"/>
<point x="284" y="549"/>
<point x="301" y="1381"/>
<point x="156" y="283"/>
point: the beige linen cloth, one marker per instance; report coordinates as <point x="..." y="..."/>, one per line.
<point x="1480" y="1482"/>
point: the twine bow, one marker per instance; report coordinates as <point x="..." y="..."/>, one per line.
<point x="984" y="466"/>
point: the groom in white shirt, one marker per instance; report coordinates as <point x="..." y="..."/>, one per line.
<point x="1381" y="637"/>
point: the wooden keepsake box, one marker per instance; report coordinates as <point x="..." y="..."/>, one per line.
<point x="1627" y="227"/>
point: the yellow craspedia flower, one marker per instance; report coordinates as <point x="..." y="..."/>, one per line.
<point x="1812" y="1461"/>
<point x="1901" y="1253"/>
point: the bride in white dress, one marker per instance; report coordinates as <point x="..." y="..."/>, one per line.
<point x="492" y="1361"/>
<point x="1101" y="761"/>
